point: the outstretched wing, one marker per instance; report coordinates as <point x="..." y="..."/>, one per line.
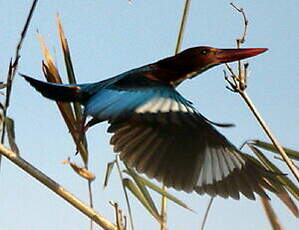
<point x="187" y="158"/>
<point x="160" y="133"/>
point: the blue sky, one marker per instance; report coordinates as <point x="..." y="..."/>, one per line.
<point x="110" y="37"/>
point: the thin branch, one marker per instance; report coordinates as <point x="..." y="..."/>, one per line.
<point x="245" y="20"/>
<point x="207" y="213"/>
<point x="90" y="202"/>
<point x="269" y="133"/>
<point x="120" y="219"/>
<point x="13" y="68"/>
<point x="59" y="190"/>
<point x="182" y="26"/>
<point x="241" y="74"/>
<point x="238" y="84"/>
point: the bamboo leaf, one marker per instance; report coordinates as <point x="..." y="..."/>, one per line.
<point x="10" y="126"/>
<point x="289" y="185"/>
<point x="160" y="191"/>
<point x="271" y="215"/>
<point x="52" y="75"/>
<point x="267" y="146"/>
<point x="109" y="169"/>
<point x="81" y="171"/>
<point x="292" y="188"/>
<point x="69" y="66"/>
<point x="288" y="201"/>
<point x="143" y="189"/>
<point x="66" y="51"/>
<point x="137" y="193"/>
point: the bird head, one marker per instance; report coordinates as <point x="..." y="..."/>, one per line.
<point x="203" y="57"/>
<point x="193" y="61"/>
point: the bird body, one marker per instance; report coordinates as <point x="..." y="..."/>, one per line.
<point x="160" y="133"/>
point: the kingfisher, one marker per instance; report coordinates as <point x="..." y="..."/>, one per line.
<point x="160" y="133"/>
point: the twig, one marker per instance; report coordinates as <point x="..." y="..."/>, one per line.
<point x="13" y="68"/>
<point x="182" y="26"/>
<point x="239" y="85"/>
<point x="206" y="213"/>
<point x="241" y="71"/>
<point x="125" y="192"/>
<point x="90" y="202"/>
<point x="245" y="20"/>
<point x="269" y="133"/>
<point x="120" y="219"/>
<point x="59" y="190"/>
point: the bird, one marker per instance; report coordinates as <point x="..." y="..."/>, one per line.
<point x="161" y="134"/>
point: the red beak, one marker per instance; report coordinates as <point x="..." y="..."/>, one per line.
<point x="229" y="55"/>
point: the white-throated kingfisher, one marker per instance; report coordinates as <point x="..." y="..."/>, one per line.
<point x="160" y="133"/>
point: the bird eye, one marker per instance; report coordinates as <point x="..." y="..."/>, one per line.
<point x="204" y="52"/>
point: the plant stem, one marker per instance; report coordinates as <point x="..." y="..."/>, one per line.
<point x="163" y="210"/>
<point x="182" y="26"/>
<point x="59" y="190"/>
<point x="90" y="202"/>
<point x="267" y="130"/>
<point x="177" y="49"/>
<point x="125" y="191"/>
<point x="206" y="214"/>
<point x="12" y="70"/>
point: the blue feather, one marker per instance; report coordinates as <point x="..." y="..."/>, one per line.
<point x="109" y="103"/>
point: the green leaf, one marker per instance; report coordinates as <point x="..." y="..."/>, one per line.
<point x="143" y="189"/>
<point x="270" y="147"/>
<point x="109" y="169"/>
<point x="69" y="67"/>
<point x="138" y="194"/>
<point x="160" y="191"/>
<point x="283" y="179"/>
<point x="10" y="126"/>
<point x="289" y="185"/>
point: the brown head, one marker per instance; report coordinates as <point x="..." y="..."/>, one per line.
<point x="194" y="61"/>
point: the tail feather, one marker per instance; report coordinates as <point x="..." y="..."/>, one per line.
<point x="55" y="91"/>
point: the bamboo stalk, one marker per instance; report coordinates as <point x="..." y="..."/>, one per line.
<point x="238" y="84"/>
<point x="269" y="133"/>
<point x="177" y="49"/>
<point x="182" y="26"/>
<point x="58" y="189"/>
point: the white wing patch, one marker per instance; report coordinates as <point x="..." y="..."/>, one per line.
<point x="163" y="105"/>
<point x="218" y="164"/>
